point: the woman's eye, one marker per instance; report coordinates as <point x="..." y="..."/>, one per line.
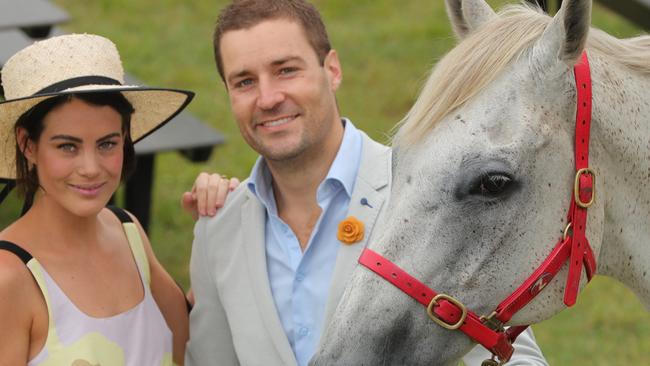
<point x="107" y="145"/>
<point x="67" y="147"/>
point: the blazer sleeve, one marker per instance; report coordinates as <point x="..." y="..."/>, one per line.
<point x="210" y="337"/>
<point x="527" y="352"/>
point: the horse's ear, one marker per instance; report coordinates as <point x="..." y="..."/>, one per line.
<point x="468" y="15"/>
<point x="565" y="37"/>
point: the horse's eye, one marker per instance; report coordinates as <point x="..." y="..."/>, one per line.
<point x="491" y="185"/>
<point x="486" y="181"/>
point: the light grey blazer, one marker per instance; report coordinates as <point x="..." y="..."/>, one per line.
<point x="234" y="320"/>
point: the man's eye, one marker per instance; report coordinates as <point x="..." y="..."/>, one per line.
<point x="244" y="83"/>
<point x="288" y="70"/>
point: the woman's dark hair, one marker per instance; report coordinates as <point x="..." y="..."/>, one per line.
<point x="32" y="121"/>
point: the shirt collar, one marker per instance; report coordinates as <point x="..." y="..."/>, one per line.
<point x="346" y="163"/>
<point x="343" y="169"/>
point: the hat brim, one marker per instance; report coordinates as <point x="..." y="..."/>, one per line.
<point x="153" y="107"/>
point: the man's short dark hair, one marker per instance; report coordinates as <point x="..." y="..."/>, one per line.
<point x="244" y="14"/>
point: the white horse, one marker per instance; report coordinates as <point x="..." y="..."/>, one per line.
<point x="483" y="174"/>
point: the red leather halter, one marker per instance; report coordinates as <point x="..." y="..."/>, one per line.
<point x="573" y="247"/>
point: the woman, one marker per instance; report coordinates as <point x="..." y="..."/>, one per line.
<point x="79" y="283"/>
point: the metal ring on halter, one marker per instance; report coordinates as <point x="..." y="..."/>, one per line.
<point x="492" y="322"/>
<point x="576" y="188"/>
<point x="566" y="231"/>
<point x="491" y="362"/>
<point x="439" y="321"/>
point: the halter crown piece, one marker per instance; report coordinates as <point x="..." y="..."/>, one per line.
<point x="574" y="247"/>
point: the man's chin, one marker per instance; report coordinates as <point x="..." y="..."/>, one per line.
<point x="284" y="154"/>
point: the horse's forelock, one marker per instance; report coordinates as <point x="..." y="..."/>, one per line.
<point x="480" y="58"/>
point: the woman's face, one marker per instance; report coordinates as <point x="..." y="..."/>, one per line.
<point x="79" y="156"/>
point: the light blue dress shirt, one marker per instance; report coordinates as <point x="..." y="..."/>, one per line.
<point x="300" y="281"/>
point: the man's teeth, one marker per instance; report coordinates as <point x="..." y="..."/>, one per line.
<point x="277" y="122"/>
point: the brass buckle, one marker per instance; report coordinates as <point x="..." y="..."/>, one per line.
<point x="439" y="321"/>
<point x="576" y="187"/>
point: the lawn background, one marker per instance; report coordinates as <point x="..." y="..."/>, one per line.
<point x="386" y="48"/>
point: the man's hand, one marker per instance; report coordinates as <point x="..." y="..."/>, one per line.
<point x="208" y="194"/>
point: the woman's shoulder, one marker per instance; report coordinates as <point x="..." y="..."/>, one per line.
<point x="13" y="254"/>
<point x="15" y="277"/>
<point x="114" y="218"/>
<point x="13" y="251"/>
<point x="117" y="216"/>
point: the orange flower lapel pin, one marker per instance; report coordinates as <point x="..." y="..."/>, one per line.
<point x="350" y="230"/>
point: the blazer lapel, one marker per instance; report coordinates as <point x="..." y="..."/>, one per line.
<point x="253" y="227"/>
<point x="371" y="190"/>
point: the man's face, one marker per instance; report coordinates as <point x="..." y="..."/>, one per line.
<point x="282" y="98"/>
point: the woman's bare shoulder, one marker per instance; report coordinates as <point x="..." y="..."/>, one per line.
<point x="15" y="278"/>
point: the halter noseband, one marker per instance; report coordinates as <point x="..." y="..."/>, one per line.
<point x="574" y="247"/>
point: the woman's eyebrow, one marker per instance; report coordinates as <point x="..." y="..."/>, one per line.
<point x="65" y="137"/>
<point x="78" y="140"/>
<point x="109" y="136"/>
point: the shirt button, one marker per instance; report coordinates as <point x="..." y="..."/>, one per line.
<point x="300" y="277"/>
<point x="303" y="331"/>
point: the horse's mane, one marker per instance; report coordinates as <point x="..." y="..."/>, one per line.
<point x="482" y="56"/>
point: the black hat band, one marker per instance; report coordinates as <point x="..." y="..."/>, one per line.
<point x="78" y="81"/>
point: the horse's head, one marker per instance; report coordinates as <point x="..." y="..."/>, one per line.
<point x="482" y="178"/>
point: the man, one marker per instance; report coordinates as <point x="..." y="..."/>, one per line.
<point x="268" y="271"/>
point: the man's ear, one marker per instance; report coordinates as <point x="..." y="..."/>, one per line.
<point x="333" y="68"/>
<point x="26" y="145"/>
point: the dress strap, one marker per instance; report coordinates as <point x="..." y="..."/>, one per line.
<point x="15" y="249"/>
<point x="37" y="272"/>
<point x="135" y="241"/>
<point x="120" y="213"/>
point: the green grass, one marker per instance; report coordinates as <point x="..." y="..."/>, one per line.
<point x="386" y="48"/>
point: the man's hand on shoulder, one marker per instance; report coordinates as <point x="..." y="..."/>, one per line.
<point x="208" y="194"/>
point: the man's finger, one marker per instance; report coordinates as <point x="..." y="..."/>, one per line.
<point x="200" y="190"/>
<point x="212" y="196"/>
<point x="221" y="194"/>
<point x="189" y="205"/>
<point x="234" y="183"/>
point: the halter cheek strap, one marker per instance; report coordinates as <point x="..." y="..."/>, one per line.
<point x="573" y="247"/>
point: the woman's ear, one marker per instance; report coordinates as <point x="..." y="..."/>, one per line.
<point x="26" y="145"/>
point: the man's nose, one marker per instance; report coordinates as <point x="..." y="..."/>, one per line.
<point x="269" y="95"/>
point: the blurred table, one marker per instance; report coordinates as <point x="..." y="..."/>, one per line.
<point x="34" y="17"/>
<point x="636" y="11"/>
<point x="24" y="21"/>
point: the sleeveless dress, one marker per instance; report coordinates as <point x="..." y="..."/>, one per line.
<point x="137" y="337"/>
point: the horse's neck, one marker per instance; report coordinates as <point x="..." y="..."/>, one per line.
<point x="621" y="155"/>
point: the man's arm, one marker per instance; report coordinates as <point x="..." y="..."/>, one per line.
<point x="210" y="338"/>
<point x="527" y="352"/>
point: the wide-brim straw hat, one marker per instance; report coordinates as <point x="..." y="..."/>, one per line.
<point x="75" y="64"/>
